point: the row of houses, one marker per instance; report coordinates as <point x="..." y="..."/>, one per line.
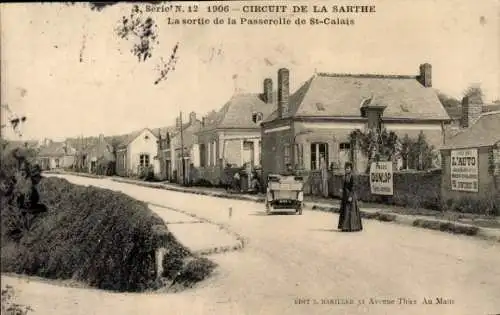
<point x="307" y="128"/>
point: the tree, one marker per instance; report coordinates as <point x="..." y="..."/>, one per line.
<point x="14" y="121"/>
<point x="377" y="146"/>
<point x="142" y="31"/>
<point x="417" y="153"/>
<point x="474" y="90"/>
<point x="448" y="101"/>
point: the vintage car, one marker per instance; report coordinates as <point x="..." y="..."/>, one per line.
<point x="284" y="193"/>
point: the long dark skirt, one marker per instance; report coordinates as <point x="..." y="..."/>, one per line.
<point x="350" y="217"/>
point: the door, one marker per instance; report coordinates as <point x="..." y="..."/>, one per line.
<point x="248" y="153"/>
<point x="168" y="169"/>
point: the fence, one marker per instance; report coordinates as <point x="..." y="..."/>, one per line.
<point x="411" y="189"/>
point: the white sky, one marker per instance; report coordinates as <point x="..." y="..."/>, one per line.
<point x="111" y="93"/>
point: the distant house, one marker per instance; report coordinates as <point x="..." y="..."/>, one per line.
<point x="169" y="148"/>
<point x="165" y="152"/>
<point x="55" y="155"/>
<point x="471" y="160"/>
<point x="99" y="152"/>
<point x="232" y="135"/>
<point x="312" y="126"/>
<point x="137" y="152"/>
<point x="189" y="140"/>
<point x="467" y="113"/>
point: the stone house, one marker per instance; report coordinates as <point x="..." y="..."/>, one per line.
<point x="311" y="127"/>
<point x="137" y="152"/>
<point x="231" y="137"/>
<point x="471" y="159"/>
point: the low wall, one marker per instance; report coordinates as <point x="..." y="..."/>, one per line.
<point x="411" y="189"/>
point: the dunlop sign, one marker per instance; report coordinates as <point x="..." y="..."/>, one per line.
<point x="381" y="178"/>
<point x="464" y="170"/>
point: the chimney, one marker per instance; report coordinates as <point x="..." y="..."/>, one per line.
<point x="192" y="117"/>
<point x="178" y="123"/>
<point x="101" y="138"/>
<point x="472" y="106"/>
<point x="425" y="76"/>
<point x="203" y="120"/>
<point x="283" y="92"/>
<point x="268" y="91"/>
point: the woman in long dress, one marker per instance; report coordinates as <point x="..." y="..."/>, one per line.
<point x="350" y="216"/>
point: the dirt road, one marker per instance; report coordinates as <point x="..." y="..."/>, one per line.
<point x="300" y="265"/>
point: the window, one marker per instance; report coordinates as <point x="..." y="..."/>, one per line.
<point x="214" y="153"/>
<point x="57" y="163"/>
<point x="286" y="154"/>
<point x="260" y="152"/>
<point x="203" y="155"/>
<point x="257" y="117"/>
<point x="344" y="146"/>
<point x="144" y="160"/>
<point x="299" y="155"/>
<point x="319" y="151"/>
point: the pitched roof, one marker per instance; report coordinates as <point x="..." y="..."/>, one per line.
<point x="125" y="140"/>
<point x="102" y="149"/>
<point x="56" y="149"/>
<point x="484" y="132"/>
<point x="341" y="95"/>
<point x="237" y="112"/>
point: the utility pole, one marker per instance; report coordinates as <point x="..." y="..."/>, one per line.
<point x="160" y="153"/>
<point x="183" y="163"/>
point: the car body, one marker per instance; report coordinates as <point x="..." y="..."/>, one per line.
<point x="284" y="193"/>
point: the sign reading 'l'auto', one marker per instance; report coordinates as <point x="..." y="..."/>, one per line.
<point x="464" y="170"/>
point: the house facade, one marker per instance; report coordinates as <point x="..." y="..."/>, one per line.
<point x="310" y="129"/>
<point x="231" y="137"/>
<point x="471" y="160"/>
<point x="99" y="154"/>
<point x="185" y="146"/>
<point x="56" y="155"/>
<point x="136" y="152"/>
<point x="169" y="148"/>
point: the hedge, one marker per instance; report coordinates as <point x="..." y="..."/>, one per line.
<point x="103" y="238"/>
<point x="411" y="189"/>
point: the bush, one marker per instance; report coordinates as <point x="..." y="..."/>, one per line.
<point x="411" y="189"/>
<point x="101" y="237"/>
<point x="489" y="205"/>
<point x="147" y="174"/>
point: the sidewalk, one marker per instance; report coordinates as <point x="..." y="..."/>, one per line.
<point x="446" y="223"/>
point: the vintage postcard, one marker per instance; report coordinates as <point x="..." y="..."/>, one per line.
<point x="250" y="157"/>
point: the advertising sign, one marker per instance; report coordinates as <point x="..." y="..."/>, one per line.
<point x="381" y="178"/>
<point x="464" y="170"/>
